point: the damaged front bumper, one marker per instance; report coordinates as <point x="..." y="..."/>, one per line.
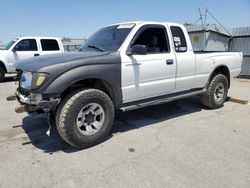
<point x="33" y="103"/>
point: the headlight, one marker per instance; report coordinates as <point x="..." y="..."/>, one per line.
<point x="38" y="80"/>
<point x="25" y="80"/>
<point x="31" y="80"/>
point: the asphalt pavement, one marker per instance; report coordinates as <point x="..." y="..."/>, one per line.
<point x="179" y="144"/>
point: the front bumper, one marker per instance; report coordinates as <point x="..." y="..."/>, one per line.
<point x="35" y="102"/>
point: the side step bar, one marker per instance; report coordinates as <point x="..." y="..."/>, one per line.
<point x="160" y="100"/>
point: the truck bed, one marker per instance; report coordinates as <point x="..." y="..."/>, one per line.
<point x="206" y="62"/>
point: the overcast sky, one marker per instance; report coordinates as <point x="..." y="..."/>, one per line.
<point x="78" y="18"/>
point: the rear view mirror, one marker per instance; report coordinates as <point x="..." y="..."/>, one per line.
<point x="139" y="49"/>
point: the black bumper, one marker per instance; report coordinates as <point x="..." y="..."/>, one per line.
<point x="34" y="102"/>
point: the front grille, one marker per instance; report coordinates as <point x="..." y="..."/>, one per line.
<point x="23" y="91"/>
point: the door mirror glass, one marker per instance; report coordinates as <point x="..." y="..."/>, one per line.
<point x="15" y="49"/>
<point x="139" y="49"/>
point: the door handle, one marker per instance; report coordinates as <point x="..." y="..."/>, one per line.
<point x="169" y="61"/>
<point x="36" y="54"/>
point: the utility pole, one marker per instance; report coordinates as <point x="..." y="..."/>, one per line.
<point x="204" y="30"/>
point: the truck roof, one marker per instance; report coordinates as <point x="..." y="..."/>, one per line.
<point x="37" y="37"/>
<point x="146" y="22"/>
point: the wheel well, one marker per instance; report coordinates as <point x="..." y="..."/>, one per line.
<point x="91" y="83"/>
<point x="3" y="66"/>
<point x="221" y="70"/>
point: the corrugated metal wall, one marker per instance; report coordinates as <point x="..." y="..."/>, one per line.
<point x="198" y="40"/>
<point x="245" y="68"/>
<point x="241" y="42"/>
<point x="241" y="31"/>
<point x="216" y="42"/>
<point x="209" y="41"/>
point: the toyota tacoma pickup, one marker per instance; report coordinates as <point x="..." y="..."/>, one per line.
<point x="23" y="48"/>
<point x="123" y="66"/>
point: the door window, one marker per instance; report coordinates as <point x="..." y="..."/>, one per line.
<point x="179" y="39"/>
<point x="155" y="39"/>
<point x="49" y="45"/>
<point x="26" y="45"/>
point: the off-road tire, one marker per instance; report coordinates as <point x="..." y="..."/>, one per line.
<point x="2" y="74"/>
<point x="208" y="98"/>
<point x="68" y="110"/>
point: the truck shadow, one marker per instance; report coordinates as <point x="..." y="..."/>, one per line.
<point x="36" y="127"/>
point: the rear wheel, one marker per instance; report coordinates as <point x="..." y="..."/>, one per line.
<point x="2" y="74"/>
<point x="216" y="93"/>
<point x="85" y="117"/>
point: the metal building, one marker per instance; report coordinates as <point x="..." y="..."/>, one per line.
<point x="72" y="44"/>
<point x="241" y="42"/>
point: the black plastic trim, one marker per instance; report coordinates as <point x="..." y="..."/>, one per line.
<point x="124" y="105"/>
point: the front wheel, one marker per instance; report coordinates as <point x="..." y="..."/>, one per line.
<point x="216" y="93"/>
<point x="85" y="117"/>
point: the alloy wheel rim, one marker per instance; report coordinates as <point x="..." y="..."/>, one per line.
<point x="219" y="92"/>
<point x="90" y="119"/>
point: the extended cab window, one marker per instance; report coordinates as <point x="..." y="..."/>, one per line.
<point x="179" y="39"/>
<point x="155" y="39"/>
<point x="26" y="45"/>
<point x="49" y="45"/>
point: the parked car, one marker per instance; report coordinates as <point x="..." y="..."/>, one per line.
<point x="122" y="67"/>
<point x="22" y="48"/>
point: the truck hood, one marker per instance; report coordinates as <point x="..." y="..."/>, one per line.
<point x="3" y="53"/>
<point x="61" y="61"/>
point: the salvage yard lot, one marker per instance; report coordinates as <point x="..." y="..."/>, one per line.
<point x="179" y="144"/>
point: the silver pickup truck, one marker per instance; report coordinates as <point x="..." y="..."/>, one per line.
<point x="121" y="67"/>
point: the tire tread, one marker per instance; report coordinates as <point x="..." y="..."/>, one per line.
<point x="62" y="119"/>
<point x="207" y="99"/>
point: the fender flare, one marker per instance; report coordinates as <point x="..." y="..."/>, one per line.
<point x="218" y="67"/>
<point x="110" y="74"/>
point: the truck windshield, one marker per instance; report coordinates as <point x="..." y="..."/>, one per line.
<point x="108" y="38"/>
<point x="7" y="46"/>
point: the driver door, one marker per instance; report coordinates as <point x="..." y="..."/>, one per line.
<point x="152" y="74"/>
<point x="25" y="49"/>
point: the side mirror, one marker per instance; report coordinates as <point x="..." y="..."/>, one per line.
<point x="14" y="49"/>
<point x="139" y="49"/>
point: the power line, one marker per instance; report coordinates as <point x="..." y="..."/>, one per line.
<point x="204" y="23"/>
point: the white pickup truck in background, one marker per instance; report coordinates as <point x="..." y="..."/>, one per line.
<point x="22" y="48"/>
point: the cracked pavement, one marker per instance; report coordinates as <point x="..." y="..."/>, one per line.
<point x="179" y="144"/>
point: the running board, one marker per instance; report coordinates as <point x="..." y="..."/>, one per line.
<point x="160" y="100"/>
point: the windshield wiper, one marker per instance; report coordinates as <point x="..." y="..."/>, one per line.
<point x="97" y="48"/>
